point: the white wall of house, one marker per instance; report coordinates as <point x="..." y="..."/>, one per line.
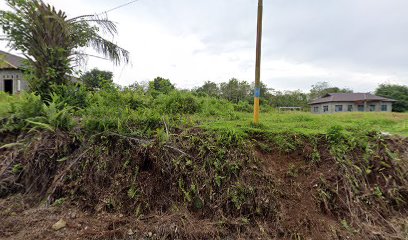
<point x="16" y="76"/>
<point x="334" y="107"/>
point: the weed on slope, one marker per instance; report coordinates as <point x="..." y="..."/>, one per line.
<point x="169" y="163"/>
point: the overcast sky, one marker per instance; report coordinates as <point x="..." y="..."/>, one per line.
<point x="349" y="43"/>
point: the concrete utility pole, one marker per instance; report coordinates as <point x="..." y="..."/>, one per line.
<point x="257" y="93"/>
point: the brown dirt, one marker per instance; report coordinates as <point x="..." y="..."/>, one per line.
<point x="297" y="213"/>
<point x="21" y="220"/>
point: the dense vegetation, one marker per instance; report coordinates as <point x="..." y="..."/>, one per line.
<point x="145" y="111"/>
<point x="170" y="160"/>
<point x="397" y="92"/>
<point x="159" y="151"/>
<point x="241" y="91"/>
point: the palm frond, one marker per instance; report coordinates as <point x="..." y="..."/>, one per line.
<point x="106" y="25"/>
<point x="109" y="49"/>
<point x="78" y="18"/>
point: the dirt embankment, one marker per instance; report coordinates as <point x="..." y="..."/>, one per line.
<point x="198" y="186"/>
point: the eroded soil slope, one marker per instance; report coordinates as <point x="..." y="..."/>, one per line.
<point x="200" y="186"/>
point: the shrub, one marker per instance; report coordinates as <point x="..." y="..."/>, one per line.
<point x="30" y="111"/>
<point x="135" y="99"/>
<point x="5" y="104"/>
<point x="74" y="95"/>
<point x="216" y="107"/>
<point x="54" y="115"/>
<point x="178" y="103"/>
<point x="101" y="118"/>
<point x="29" y="105"/>
<point x="243" y="106"/>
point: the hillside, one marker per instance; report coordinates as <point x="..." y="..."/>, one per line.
<point x="129" y="165"/>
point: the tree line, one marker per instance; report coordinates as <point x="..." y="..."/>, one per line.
<point x="53" y="44"/>
<point x="240" y="91"/>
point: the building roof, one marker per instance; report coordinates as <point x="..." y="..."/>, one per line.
<point x="10" y="61"/>
<point x="350" y="97"/>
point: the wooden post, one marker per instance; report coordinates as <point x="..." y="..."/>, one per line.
<point x="257" y="93"/>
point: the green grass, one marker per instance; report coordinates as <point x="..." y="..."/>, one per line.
<point x="308" y="123"/>
<point x="142" y="114"/>
<point x="5" y="100"/>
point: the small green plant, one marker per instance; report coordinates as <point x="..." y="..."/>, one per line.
<point x="133" y="192"/>
<point x="315" y="157"/>
<point x="55" y="115"/>
<point x="284" y="143"/>
<point x="17" y="168"/>
<point x="377" y="192"/>
<point x="266" y="148"/>
<point x="239" y="195"/>
<point x="218" y="180"/>
<point x="162" y="136"/>
<point x="59" y="202"/>
<point x="293" y="171"/>
<point x="347" y="226"/>
<point x="335" y="134"/>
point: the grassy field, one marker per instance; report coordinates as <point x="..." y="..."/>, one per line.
<point x="137" y="113"/>
<point x="308" y="123"/>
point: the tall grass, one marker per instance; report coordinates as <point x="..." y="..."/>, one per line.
<point x="143" y="114"/>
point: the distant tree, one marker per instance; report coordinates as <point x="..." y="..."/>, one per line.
<point x="51" y="42"/>
<point x="143" y="86"/>
<point x="97" y="78"/>
<point x="322" y="88"/>
<point x="161" y="85"/>
<point x="396" y="92"/>
<point x="266" y="95"/>
<point x="289" y="99"/>
<point x="209" y="88"/>
<point x="265" y="91"/>
<point x="235" y="90"/>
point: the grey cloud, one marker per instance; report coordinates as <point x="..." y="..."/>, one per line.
<point x="363" y="35"/>
<point x="359" y="34"/>
<point x="368" y="36"/>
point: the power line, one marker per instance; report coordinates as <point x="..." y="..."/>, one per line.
<point x="90" y="55"/>
<point x="120" y="6"/>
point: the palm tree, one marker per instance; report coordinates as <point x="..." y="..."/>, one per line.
<point x="51" y="42"/>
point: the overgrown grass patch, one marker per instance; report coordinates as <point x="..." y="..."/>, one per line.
<point x="142" y="154"/>
<point x="308" y="123"/>
<point x="139" y="112"/>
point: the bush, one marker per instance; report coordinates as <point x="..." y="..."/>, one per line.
<point x="216" y="107"/>
<point x="30" y="111"/>
<point x="29" y="105"/>
<point x="101" y="118"/>
<point x="120" y="111"/>
<point x="135" y="99"/>
<point x="243" y="106"/>
<point x="19" y="108"/>
<point x="74" y="95"/>
<point x="178" y="103"/>
<point x="5" y="104"/>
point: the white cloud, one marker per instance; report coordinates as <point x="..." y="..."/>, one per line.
<point x="349" y="43"/>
